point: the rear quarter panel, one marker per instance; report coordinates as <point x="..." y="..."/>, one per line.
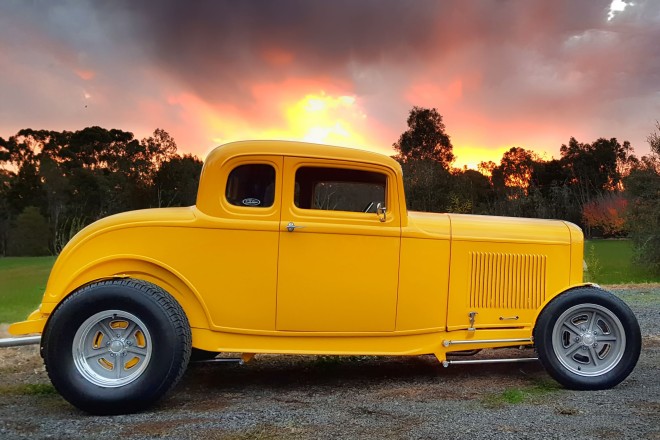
<point x="208" y="265"/>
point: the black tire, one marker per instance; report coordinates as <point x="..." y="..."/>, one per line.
<point x="588" y="339"/>
<point x="86" y="360"/>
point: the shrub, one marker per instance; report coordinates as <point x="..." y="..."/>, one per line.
<point x="30" y="235"/>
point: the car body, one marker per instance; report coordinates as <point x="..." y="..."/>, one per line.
<point x="300" y="248"/>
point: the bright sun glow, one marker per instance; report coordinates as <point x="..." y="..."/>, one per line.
<point x="317" y="117"/>
<point x="471" y="156"/>
<point x="323" y="118"/>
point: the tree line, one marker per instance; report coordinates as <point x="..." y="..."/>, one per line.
<point x="53" y="183"/>
<point x="601" y="186"/>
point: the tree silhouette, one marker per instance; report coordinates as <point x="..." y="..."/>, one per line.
<point x="425" y="138"/>
<point x="75" y="177"/>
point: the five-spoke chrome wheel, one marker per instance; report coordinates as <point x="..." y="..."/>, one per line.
<point x="116" y="346"/>
<point x="112" y="348"/>
<point x="588" y="339"/>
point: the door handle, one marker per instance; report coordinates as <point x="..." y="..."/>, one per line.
<point x="292" y="227"/>
<point x="381" y="210"/>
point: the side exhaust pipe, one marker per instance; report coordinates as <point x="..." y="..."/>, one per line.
<point x="17" y="342"/>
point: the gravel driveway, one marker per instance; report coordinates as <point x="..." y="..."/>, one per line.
<point x="356" y="397"/>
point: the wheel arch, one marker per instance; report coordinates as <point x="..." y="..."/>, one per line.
<point x="562" y="292"/>
<point x="140" y="268"/>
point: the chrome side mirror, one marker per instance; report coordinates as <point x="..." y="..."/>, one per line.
<point x="382" y="212"/>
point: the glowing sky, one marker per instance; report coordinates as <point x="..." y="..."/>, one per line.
<point x="502" y="73"/>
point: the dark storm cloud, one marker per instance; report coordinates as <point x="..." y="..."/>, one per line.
<point x="532" y="55"/>
<point x="559" y="63"/>
<point x="219" y="47"/>
<point x="218" y="43"/>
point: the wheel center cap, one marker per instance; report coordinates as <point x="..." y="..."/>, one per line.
<point x="588" y="339"/>
<point x="116" y="346"/>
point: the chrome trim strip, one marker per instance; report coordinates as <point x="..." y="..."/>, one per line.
<point x="485" y="341"/>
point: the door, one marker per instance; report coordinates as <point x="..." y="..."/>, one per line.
<point x="339" y="258"/>
<point x="237" y="247"/>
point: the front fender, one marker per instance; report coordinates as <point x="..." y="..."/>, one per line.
<point x="550" y="298"/>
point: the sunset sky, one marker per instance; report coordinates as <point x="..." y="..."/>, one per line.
<point x="502" y="73"/>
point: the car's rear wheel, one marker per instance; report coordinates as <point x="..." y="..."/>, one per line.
<point x="116" y="346"/>
<point x="588" y="339"/>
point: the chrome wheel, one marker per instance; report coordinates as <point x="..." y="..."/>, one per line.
<point x="112" y="348"/>
<point x="588" y="340"/>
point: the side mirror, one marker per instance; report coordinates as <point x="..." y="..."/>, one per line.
<point x="382" y="212"/>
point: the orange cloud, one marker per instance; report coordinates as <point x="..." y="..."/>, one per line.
<point x="85" y="74"/>
<point x="277" y="57"/>
<point x="429" y="94"/>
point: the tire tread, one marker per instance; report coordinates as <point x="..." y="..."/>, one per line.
<point x="167" y="304"/>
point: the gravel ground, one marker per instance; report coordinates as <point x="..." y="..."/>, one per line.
<point x="356" y="397"/>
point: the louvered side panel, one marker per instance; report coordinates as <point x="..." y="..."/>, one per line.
<point x="512" y="281"/>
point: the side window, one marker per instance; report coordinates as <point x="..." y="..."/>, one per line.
<point x="251" y="185"/>
<point x="337" y="189"/>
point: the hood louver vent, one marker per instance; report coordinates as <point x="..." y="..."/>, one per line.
<point x="500" y="280"/>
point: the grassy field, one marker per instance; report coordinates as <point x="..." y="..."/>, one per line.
<point x="23" y="279"/>
<point x="22" y="283"/>
<point x="611" y="262"/>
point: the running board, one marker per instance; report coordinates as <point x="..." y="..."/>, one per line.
<point x="23" y="340"/>
<point x="487" y="361"/>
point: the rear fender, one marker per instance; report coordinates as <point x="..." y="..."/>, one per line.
<point x="138" y="267"/>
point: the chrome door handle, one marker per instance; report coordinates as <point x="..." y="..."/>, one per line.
<point x="292" y="226"/>
<point x="381" y="210"/>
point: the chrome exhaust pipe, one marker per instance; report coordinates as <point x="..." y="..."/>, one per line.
<point x="487" y="361"/>
<point x="17" y="342"/>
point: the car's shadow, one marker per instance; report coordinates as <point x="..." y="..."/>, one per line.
<point x="296" y="373"/>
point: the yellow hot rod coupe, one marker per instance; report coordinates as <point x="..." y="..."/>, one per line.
<point x="298" y="248"/>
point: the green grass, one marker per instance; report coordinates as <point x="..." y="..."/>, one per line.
<point x="611" y="262"/>
<point x="22" y="284"/>
<point x="512" y="396"/>
<point x="28" y="389"/>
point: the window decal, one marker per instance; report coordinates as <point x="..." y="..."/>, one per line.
<point x="251" y="185"/>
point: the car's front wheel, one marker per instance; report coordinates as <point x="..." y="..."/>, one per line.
<point x="588" y="339"/>
<point x="116" y="346"/>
